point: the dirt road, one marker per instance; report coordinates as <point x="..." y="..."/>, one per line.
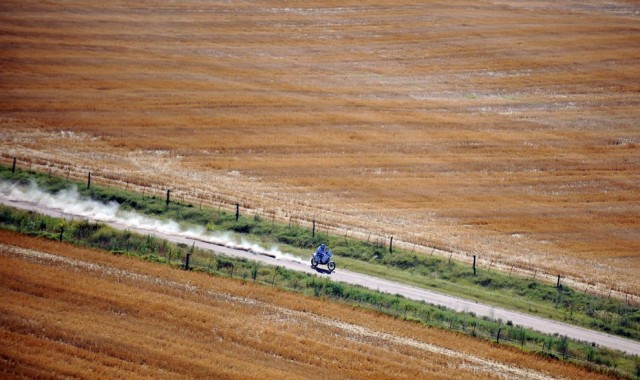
<point x="371" y="282"/>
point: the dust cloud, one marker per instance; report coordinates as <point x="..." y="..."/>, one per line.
<point x="71" y="202"/>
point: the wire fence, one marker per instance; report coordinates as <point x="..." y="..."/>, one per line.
<point x="187" y="196"/>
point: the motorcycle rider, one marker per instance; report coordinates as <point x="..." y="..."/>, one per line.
<point x="323" y="256"/>
<point x="321" y="251"/>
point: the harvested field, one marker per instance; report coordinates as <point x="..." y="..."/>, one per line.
<point x="506" y="129"/>
<point x="74" y="312"/>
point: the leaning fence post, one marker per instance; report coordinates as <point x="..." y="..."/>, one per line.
<point x="391" y="245"/>
<point x="498" y="336"/>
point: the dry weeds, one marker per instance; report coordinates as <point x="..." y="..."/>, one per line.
<point x="504" y="129"/>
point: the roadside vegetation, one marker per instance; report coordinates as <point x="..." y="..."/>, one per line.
<point x="562" y="303"/>
<point x="369" y="256"/>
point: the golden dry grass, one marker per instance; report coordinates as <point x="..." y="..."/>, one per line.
<point x="505" y="129"/>
<point x="72" y="312"/>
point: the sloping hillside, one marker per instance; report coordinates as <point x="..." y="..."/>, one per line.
<point x="506" y="129"/>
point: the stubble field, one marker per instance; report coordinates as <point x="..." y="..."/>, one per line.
<point x="498" y="128"/>
<point x="75" y="312"/>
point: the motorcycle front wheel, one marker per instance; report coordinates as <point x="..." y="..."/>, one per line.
<point x="331" y="266"/>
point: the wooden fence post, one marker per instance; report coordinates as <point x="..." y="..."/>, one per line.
<point x="168" y="195"/>
<point x="89" y="182"/>
<point x="558" y="284"/>
<point x="391" y="245"/>
<point x="237" y="211"/>
<point x="186" y="261"/>
<point x="498" y="336"/>
<point x="474" y="265"/>
<point x="313" y="230"/>
<point x="13" y="168"/>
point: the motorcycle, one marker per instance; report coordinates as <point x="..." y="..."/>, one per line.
<point x="323" y="258"/>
